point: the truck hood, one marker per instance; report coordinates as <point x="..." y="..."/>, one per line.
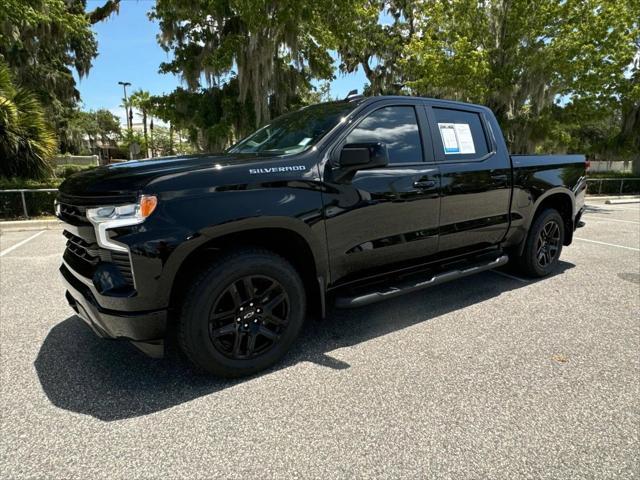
<point x="127" y="178"/>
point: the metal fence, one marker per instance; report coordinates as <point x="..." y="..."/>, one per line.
<point x="27" y="203"/>
<point x="615" y="186"/>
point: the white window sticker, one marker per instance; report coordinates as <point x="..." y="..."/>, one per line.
<point x="449" y="139"/>
<point x="456" y="138"/>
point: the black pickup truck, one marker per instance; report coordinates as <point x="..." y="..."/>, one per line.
<point x="351" y="202"/>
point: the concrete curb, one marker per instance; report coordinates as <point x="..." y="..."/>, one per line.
<point x="25" y="225"/>
<point x="613" y="197"/>
<point x="622" y="201"/>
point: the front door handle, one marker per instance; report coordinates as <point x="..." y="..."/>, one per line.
<point x="499" y="178"/>
<point x="424" y="184"/>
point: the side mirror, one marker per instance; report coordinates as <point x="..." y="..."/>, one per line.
<point x="361" y="156"/>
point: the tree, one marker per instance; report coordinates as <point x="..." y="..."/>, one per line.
<point x="43" y="42"/>
<point x="27" y="143"/>
<point x="108" y="124"/>
<point x="317" y="94"/>
<point x="377" y="47"/>
<point x="629" y="137"/>
<point x="141" y="100"/>
<point x="521" y="57"/>
<point x="271" y="49"/>
<point x="101" y="125"/>
<point x="214" y="117"/>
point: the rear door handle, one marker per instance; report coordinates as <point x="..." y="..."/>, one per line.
<point x="423" y="184"/>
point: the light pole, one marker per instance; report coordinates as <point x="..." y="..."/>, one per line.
<point x="128" y="113"/>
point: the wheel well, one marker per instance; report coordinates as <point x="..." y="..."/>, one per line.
<point x="562" y="203"/>
<point x="286" y="243"/>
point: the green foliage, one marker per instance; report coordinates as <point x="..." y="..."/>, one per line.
<point x="100" y="125"/>
<point x="613" y="187"/>
<point x="27" y="144"/>
<point x="611" y="175"/>
<point x="521" y="58"/>
<point x="141" y="100"/>
<point x="213" y="117"/>
<point x="43" y="42"/>
<point x="65" y="171"/>
<point x="276" y="47"/>
<point x="130" y="137"/>
<point x="10" y="183"/>
<point x="38" y="204"/>
<point x="317" y="94"/>
<point x="163" y="144"/>
<point x="558" y="73"/>
<point x="377" y="48"/>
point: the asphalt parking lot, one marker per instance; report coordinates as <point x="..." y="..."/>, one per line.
<point x="492" y="376"/>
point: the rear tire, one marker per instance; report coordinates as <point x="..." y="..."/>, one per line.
<point x="543" y="245"/>
<point x="242" y="314"/>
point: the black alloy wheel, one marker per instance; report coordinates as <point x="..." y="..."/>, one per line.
<point x="548" y="244"/>
<point x="249" y="317"/>
<point x="241" y="314"/>
<point x="542" y="249"/>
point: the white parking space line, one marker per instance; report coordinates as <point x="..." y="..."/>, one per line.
<point x="591" y="216"/>
<point x="608" y="244"/>
<point x="19" y="244"/>
<point x="512" y="277"/>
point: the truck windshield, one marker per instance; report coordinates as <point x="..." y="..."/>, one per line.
<point x="295" y="131"/>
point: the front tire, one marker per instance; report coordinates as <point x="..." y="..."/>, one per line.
<point x="242" y="314"/>
<point x="543" y="245"/>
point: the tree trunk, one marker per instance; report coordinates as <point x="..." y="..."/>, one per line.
<point x="152" y="149"/>
<point x="146" y="140"/>
<point x="170" y="138"/>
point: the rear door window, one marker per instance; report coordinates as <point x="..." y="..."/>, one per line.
<point x="460" y="134"/>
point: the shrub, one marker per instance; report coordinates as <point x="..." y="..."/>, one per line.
<point x="65" y="171"/>
<point x="27" y="142"/>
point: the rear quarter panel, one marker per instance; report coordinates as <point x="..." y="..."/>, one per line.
<point x="536" y="177"/>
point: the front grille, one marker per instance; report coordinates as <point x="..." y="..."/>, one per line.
<point x="96" y="201"/>
<point x="88" y="252"/>
<point x="73" y="214"/>
<point x="84" y="258"/>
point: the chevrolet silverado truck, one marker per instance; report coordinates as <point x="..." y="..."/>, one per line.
<point x="343" y="203"/>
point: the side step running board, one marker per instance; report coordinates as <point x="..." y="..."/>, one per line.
<point x="407" y="287"/>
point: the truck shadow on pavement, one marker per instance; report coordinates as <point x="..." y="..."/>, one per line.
<point x="112" y="380"/>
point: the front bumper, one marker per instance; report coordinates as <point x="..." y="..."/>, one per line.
<point x="148" y="326"/>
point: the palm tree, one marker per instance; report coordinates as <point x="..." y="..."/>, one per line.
<point x="141" y="99"/>
<point x="27" y="142"/>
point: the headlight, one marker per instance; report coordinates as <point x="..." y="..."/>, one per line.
<point x="104" y="218"/>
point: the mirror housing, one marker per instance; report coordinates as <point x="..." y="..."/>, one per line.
<point x="361" y="156"/>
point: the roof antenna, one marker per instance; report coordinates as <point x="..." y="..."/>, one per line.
<point x="352" y="93"/>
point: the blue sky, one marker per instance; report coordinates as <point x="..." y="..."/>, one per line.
<point x="128" y="51"/>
